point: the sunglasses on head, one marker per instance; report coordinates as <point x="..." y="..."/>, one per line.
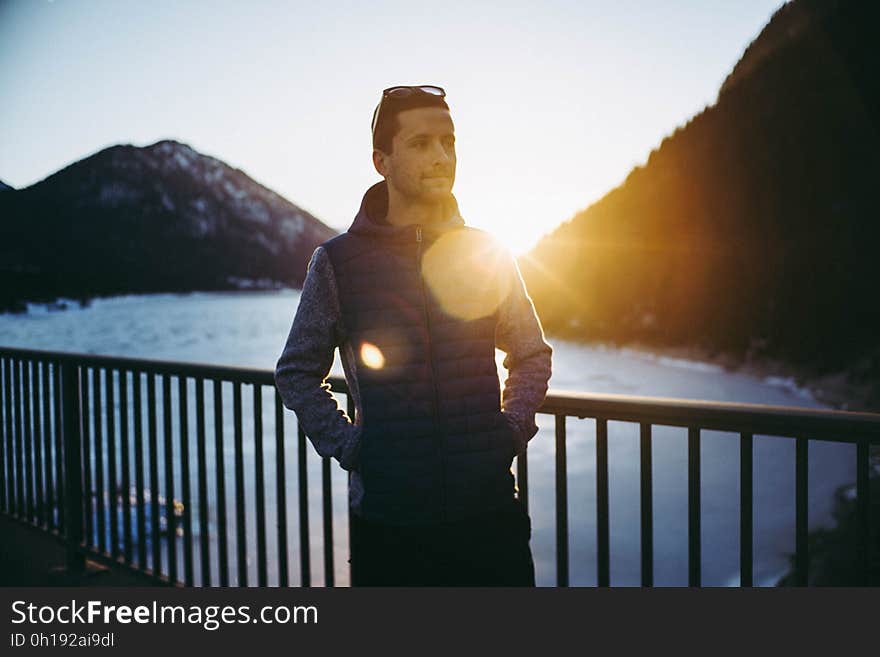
<point x="404" y="92"/>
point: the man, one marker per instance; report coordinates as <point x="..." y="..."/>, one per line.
<point x="417" y="302"/>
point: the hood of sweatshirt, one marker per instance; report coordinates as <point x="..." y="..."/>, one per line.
<point x="370" y="219"/>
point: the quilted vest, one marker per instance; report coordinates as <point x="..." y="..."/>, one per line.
<point x="434" y="444"/>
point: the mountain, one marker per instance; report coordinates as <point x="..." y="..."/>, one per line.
<point x="753" y="229"/>
<point x="158" y="218"/>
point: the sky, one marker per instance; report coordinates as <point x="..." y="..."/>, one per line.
<point x="554" y="102"/>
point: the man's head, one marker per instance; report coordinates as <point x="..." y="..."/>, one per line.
<point x="414" y="143"/>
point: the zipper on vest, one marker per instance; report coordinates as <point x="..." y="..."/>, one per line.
<point x="433" y="376"/>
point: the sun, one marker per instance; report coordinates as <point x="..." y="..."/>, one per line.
<point x="517" y="234"/>
<point x="517" y="242"/>
<point x="519" y="238"/>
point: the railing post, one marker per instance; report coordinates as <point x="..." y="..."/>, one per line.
<point x="281" y="494"/>
<point x="746" y="493"/>
<point x="327" y="501"/>
<point x="304" y="543"/>
<point x="350" y="409"/>
<point x="603" y="549"/>
<point x="802" y="554"/>
<point x="240" y="528"/>
<point x="49" y="495"/>
<point x="561" y="504"/>
<point x="59" y="447"/>
<point x="72" y="419"/>
<point x="260" y="487"/>
<point x="694" y="533"/>
<point x="647" y="505"/>
<point x="863" y="512"/>
<point x="8" y="497"/>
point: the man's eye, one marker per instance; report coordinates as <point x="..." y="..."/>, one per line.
<point x="419" y="144"/>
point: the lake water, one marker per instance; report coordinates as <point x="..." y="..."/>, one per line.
<point x="250" y="328"/>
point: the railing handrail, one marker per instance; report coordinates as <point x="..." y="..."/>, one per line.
<point x="785" y="421"/>
<point x="196" y="370"/>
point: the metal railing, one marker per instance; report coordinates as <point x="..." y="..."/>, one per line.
<point x="70" y="419"/>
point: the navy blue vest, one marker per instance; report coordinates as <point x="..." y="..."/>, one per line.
<point x="435" y="446"/>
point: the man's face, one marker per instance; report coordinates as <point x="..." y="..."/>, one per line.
<point x="421" y="166"/>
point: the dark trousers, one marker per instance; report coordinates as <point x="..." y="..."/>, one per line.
<point x="486" y="550"/>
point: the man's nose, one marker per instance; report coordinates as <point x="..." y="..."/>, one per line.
<point x="440" y="154"/>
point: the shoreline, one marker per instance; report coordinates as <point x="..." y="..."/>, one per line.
<point x="836" y="390"/>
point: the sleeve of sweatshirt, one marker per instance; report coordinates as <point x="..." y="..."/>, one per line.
<point x="302" y="370"/>
<point x="528" y="360"/>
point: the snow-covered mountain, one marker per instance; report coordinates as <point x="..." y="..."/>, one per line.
<point x="157" y="218"/>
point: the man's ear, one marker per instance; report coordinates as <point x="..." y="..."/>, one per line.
<point x="379" y="162"/>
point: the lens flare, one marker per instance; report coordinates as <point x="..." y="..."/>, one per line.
<point x="371" y="356"/>
<point x="465" y="271"/>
